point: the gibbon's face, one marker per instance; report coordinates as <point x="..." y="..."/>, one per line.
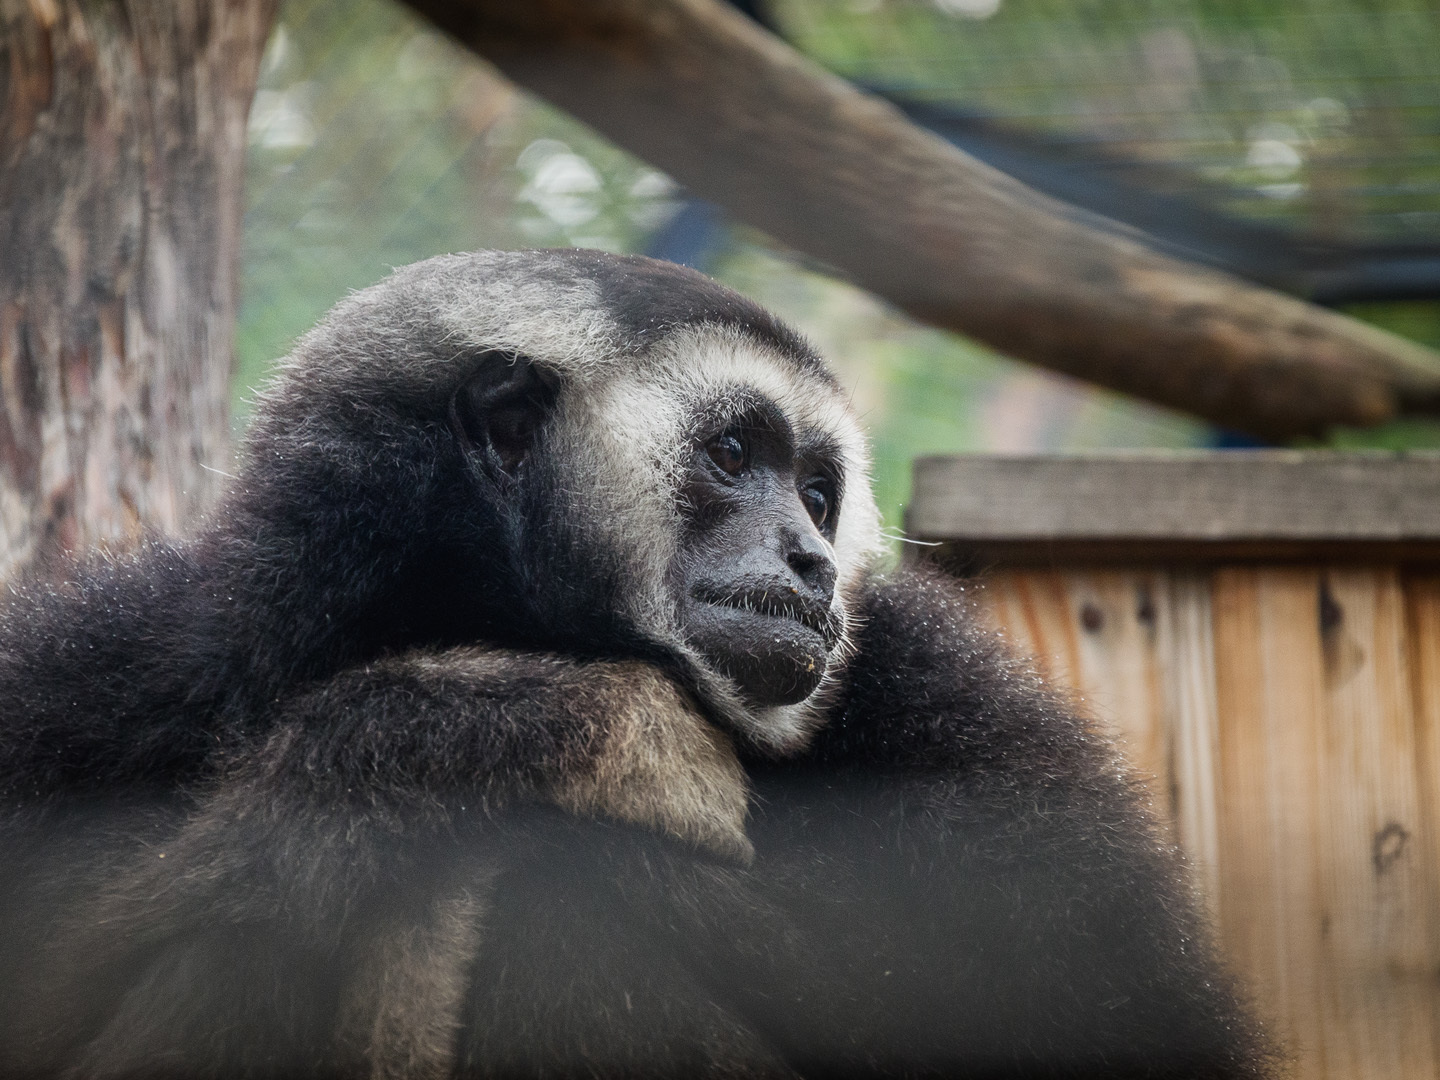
<point x="755" y="573"/>
<point x="726" y="472"/>
<point x="652" y="463"/>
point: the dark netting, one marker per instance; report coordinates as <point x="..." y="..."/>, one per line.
<point x="1296" y="142"/>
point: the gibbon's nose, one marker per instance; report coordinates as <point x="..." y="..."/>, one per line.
<point x="810" y="562"/>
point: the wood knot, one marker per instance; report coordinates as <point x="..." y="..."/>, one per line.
<point x="1332" y="615"/>
<point x="1145" y="607"/>
<point x="1388" y="846"/>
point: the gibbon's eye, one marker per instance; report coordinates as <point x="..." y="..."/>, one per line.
<point x="818" y="495"/>
<point x="511" y="432"/>
<point x="729" y="453"/>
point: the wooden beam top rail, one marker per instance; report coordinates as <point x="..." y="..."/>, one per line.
<point x="1179" y="506"/>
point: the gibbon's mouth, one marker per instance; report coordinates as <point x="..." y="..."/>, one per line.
<point x="817" y="618"/>
<point x="773" y="645"/>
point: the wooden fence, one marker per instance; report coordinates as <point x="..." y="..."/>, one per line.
<point x="1263" y="629"/>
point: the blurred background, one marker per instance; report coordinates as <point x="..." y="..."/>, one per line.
<point x="1296" y="144"/>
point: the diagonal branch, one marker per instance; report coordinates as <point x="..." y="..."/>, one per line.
<point x="745" y="121"/>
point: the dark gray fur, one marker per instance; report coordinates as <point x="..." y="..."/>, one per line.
<point x="280" y="800"/>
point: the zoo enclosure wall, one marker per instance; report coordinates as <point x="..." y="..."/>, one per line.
<point x="1262" y="630"/>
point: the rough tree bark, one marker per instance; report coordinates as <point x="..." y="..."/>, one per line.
<point x="122" y="143"/>
<point x="745" y="121"/>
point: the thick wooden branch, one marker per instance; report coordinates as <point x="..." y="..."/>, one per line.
<point x="745" y="121"/>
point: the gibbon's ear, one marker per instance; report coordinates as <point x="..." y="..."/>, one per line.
<point x="498" y="412"/>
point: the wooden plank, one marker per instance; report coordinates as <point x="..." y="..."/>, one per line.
<point x="1095" y="634"/>
<point x="1380" y="964"/>
<point x="1422" y="597"/>
<point x="1186" y="651"/>
<point x="1324" y="896"/>
<point x="1136" y="651"/>
<point x="1269" y="682"/>
<point x="1178" y="497"/>
<point x="970" y="558"/>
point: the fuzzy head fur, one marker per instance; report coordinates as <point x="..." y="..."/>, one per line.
<point x="639" y="353"/>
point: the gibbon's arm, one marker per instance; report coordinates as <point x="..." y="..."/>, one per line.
<point x="427" y="732"/>
<point x="351" y="849"/>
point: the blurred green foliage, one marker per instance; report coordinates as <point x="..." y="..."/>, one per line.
<point x="375" y="142"/>
<point x="1320" y="113"/>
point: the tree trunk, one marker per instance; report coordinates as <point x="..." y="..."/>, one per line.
<point x="745" y="121"/>
<point x="122" y="146"/>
